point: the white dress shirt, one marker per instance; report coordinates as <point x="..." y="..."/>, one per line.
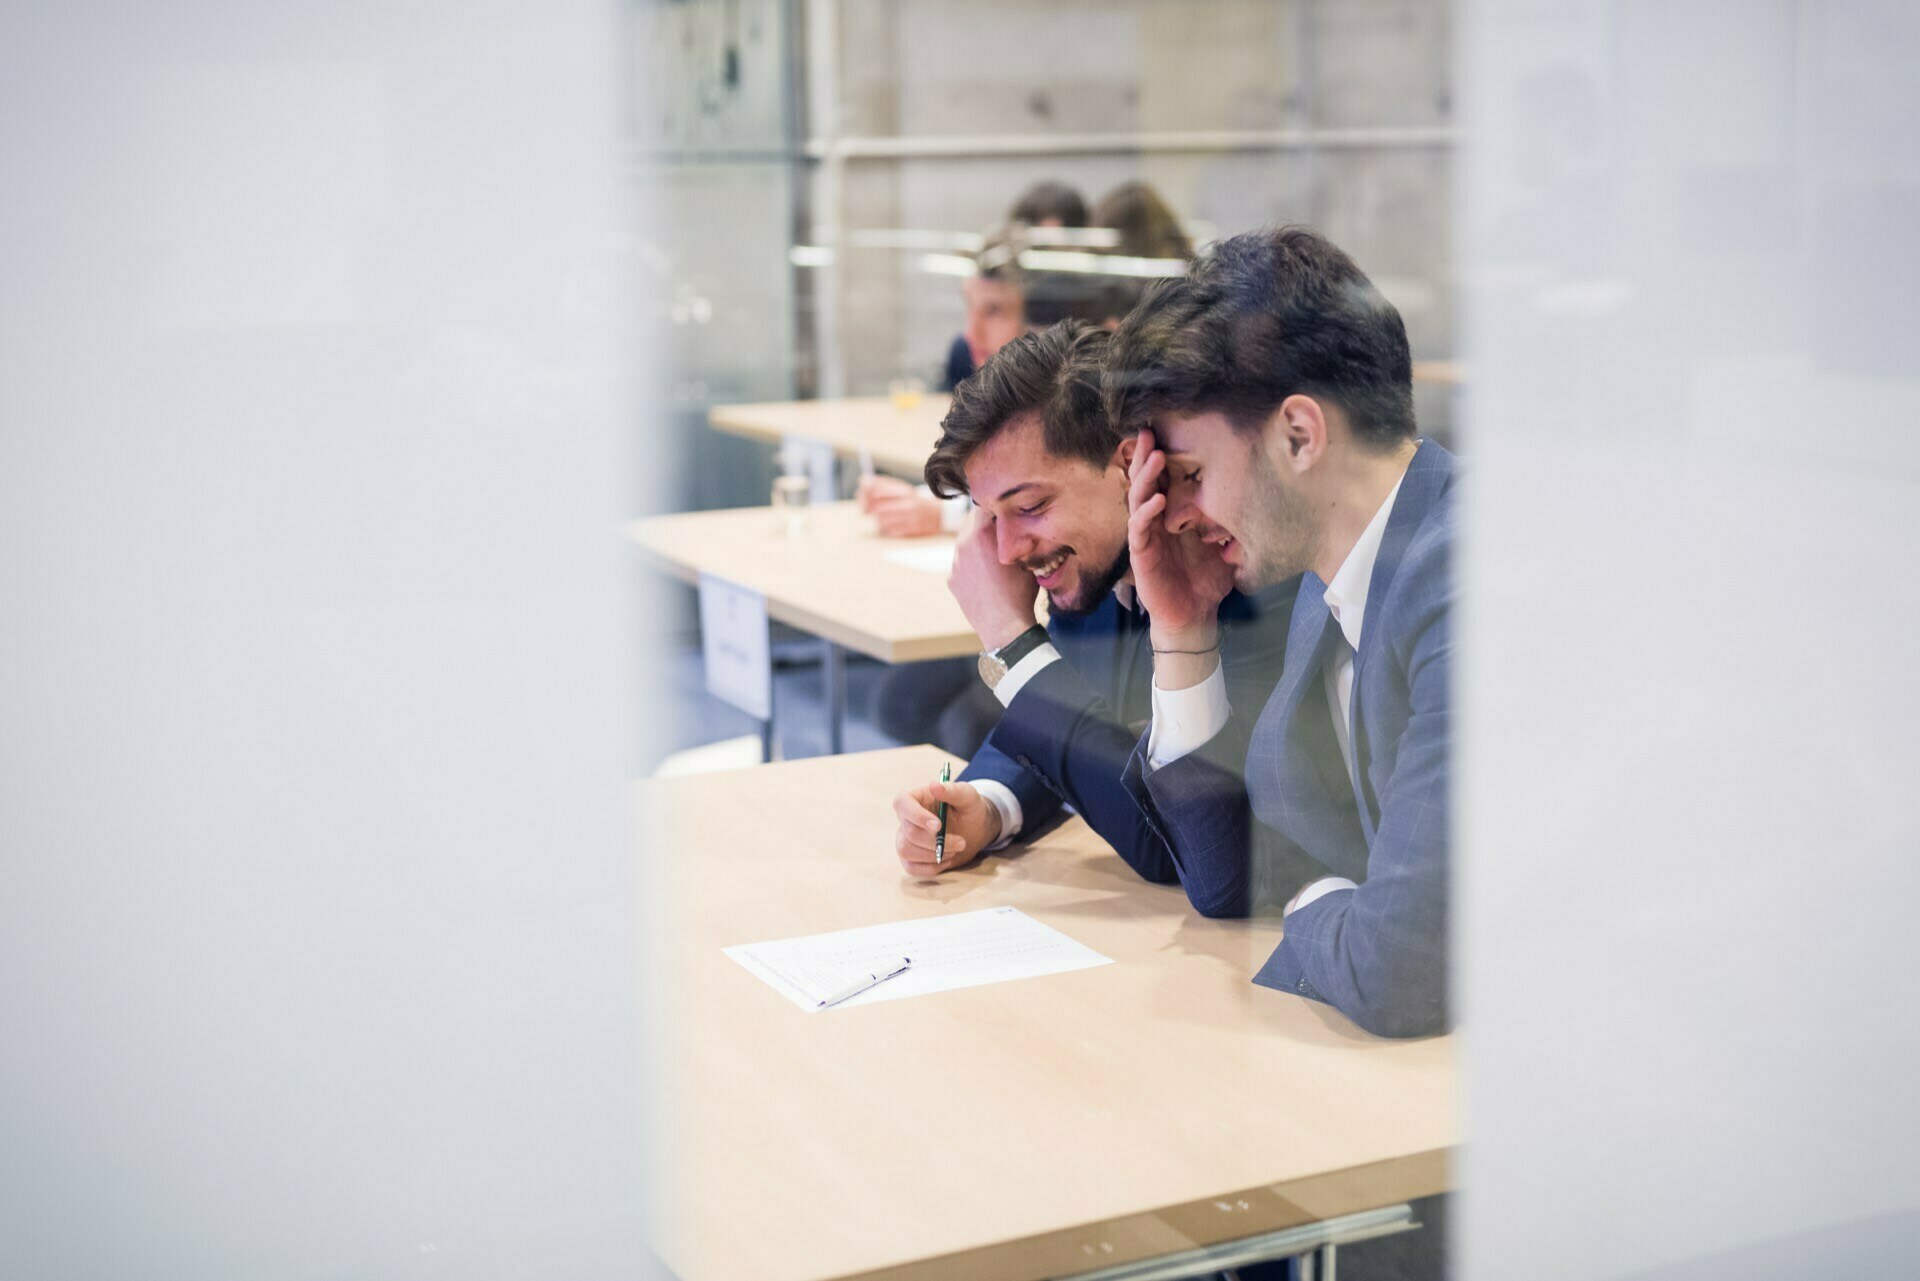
<point x="1185" y="719"/>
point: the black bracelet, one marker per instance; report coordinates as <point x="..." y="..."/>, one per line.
<point x="1211" y="649"/>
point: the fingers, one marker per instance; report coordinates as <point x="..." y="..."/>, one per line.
<point x="875" y="493"/>
<point x="915" y="806"/>
<point x="1142" y="527"/>
<point x="918" y="831"/>
<point x="916" y="844"/>
<point x="1143" y="448"/>
<point x="1146" y="478"/>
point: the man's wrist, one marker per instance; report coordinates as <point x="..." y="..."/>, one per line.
<point x="1184" y="657"/>
<point x="992" y="837"/>
<point x="1197" y="638"/>
<point x="999" y="635"/>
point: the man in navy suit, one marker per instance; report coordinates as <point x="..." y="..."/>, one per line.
<point x="1272" y="394"/>
<point x="1029" y="438"/>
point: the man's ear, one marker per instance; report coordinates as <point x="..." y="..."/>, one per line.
<point x="1297" y="432"/>
<point x="1123" y="452"/>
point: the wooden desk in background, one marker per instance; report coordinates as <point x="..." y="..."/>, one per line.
<point x="1049" y="1127"/>
<point x="837" y="581"/>
<point x="898" y="440"/>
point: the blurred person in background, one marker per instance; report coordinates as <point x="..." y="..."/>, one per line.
<point x="1147" y="228"/>
<point x="1004" y="300"/>
<point x="993" y="315"/>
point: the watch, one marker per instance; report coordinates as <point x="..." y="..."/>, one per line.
<point x="996" y="663"/>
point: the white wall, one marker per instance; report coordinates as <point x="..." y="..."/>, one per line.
<point x="315" y="899"/>
<point x="1688" y="848"/>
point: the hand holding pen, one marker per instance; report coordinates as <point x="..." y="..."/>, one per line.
<point x="971" y="825"/>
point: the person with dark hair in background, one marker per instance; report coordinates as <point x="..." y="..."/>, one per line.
<point x="1146" y="228"/>
<point x="1271" y="393"/>
<point x="1004" y="299"/>
<point x="989" y="313"/>
<point x="1030" y="439"/>
<point x="1049" y="204"/>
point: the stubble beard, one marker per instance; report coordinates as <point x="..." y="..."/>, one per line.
<point x="1094" y="589"/>
<point x="1280" y="531"/>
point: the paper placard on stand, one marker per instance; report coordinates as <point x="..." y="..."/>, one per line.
<point x="737" y="645"/>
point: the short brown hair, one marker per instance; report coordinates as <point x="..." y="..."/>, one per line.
<point x="1054" y="373"/>
<point x="1269" y="314"/>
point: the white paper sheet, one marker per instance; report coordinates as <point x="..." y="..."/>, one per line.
<point x="965" y="949"/>
<point x="932" y="557"/>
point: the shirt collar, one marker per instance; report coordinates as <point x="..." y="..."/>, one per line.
<point x="1346" y="595"/>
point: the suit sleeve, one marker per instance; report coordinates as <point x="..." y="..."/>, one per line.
<point x="1038" y="804"/>
<point x="1061" y="730"/>
<point x="1230" y="863"/>
<point x="1197" y="805"/>
<point x="1379" y="953"/>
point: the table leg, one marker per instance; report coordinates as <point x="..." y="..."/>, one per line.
<point x="833" y="667"/>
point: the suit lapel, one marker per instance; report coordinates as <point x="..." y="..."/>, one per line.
<point x="1306" y="773"/>
<point x="1428" y="475"/>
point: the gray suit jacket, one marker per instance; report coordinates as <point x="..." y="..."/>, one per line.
<point x="1377" y="953"/>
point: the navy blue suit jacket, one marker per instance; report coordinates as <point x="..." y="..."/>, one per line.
<point x="1066" y="737"/>
<point x="1294" y="814"/>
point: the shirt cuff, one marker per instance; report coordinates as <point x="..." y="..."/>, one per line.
<point x="1005" y="804"/>
<point x="1317" y="890"/>
<point x="1023" y="671"/>
<point x="1184" y="719"/>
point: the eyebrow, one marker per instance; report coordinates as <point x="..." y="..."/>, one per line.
<point x="1025" y="484"/>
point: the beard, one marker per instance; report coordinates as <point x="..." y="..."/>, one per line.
<point x="1279" y="538"/>
<point x="1095" y="586"/>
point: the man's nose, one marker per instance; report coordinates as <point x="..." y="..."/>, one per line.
<point x="1182" y="513"/>
<point x="1010" y="544"/>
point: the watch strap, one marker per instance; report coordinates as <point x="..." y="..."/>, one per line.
<point x="1022" y="645"/>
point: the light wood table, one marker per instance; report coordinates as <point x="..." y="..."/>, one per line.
<point x="898" y="440"/>
<point x="1048" y="1127"/>
<point x="839" y="581"/>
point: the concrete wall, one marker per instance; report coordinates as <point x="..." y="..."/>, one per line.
<point x="721" y="157"/>
<point x="921" y="69"/>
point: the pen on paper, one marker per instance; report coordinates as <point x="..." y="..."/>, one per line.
<point x="864" y="982"/>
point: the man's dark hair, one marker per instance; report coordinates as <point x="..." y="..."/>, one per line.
<point x="1268" y="315"/>
<point x="1147" y="227"/>
<point x="1050" y="200"/>
<point x="1054" y="373"/>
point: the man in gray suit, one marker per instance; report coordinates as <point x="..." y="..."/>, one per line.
<point x="1272" y="393"/>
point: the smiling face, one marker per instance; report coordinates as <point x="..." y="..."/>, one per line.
<point x="1222" y="484"/>
<point x="1063" y="519"/>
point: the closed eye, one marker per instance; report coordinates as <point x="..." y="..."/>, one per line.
<point x="1036" y="509"/>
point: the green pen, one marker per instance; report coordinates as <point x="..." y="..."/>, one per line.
<point x="940" y="841"/>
